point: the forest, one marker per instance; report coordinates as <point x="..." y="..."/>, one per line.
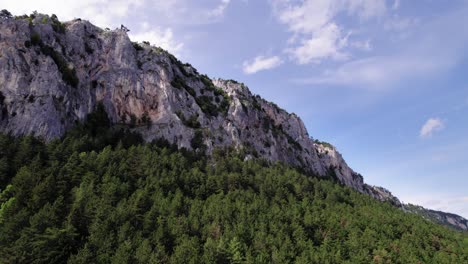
<point x="102" y="195"/>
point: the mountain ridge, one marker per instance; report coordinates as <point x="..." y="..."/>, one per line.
<point x="53" y="74"/>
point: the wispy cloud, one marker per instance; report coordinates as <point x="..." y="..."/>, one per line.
<point x="219" y="10"/>
<point x="431" y="126"/>
<point x="105" y="13"/>
<point x="438" y="46"/>
<point x="375" y="72"/>
<point x="261" y="63"/>
<point x="187" y="12"/>
<point x="327" y="44"/>
<point x="316" y="33"/>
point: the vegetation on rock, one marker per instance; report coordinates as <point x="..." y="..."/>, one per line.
<point x="68" y="73"/>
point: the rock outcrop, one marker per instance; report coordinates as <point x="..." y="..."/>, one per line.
<point x="53" y="74"/>
<point x="452" y="220"/>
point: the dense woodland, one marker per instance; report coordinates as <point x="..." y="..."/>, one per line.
<point x="100" y="195"/>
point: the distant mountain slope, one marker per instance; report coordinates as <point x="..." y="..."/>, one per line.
<point x="53" y="74"/>
<point x="448" y="219"/>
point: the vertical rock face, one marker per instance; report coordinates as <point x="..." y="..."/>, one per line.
<point x="330" y="158"/>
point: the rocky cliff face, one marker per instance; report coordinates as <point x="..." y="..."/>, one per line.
<point x="53" y="74"/>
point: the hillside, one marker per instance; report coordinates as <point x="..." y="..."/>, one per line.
<point x="53" y="74"/>
<point x="102" y="195"/>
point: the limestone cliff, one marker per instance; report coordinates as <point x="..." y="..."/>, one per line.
<point x="52" y="74"/>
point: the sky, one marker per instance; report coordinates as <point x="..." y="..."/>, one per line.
<point x="385" y="81"/>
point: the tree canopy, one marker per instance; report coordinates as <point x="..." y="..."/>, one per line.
<point x="100" y="195"/>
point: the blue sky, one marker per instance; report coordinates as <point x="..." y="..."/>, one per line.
<point x="383" y="80"/>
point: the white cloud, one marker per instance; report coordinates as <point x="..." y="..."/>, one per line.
<point x="307" y="17"/>
<point x="327" y="42"/>
<point x="366" y="9"/>
<point x="261" y="63"/>
<point x="314" y="26"/>
<point x="105" y="13"/>
<point x="219" y="10"/>
<point x="159" y="37"/>
<point x="431" y="126"/>
<point x="187" y="12"/>
<point x="435" y="48"/>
